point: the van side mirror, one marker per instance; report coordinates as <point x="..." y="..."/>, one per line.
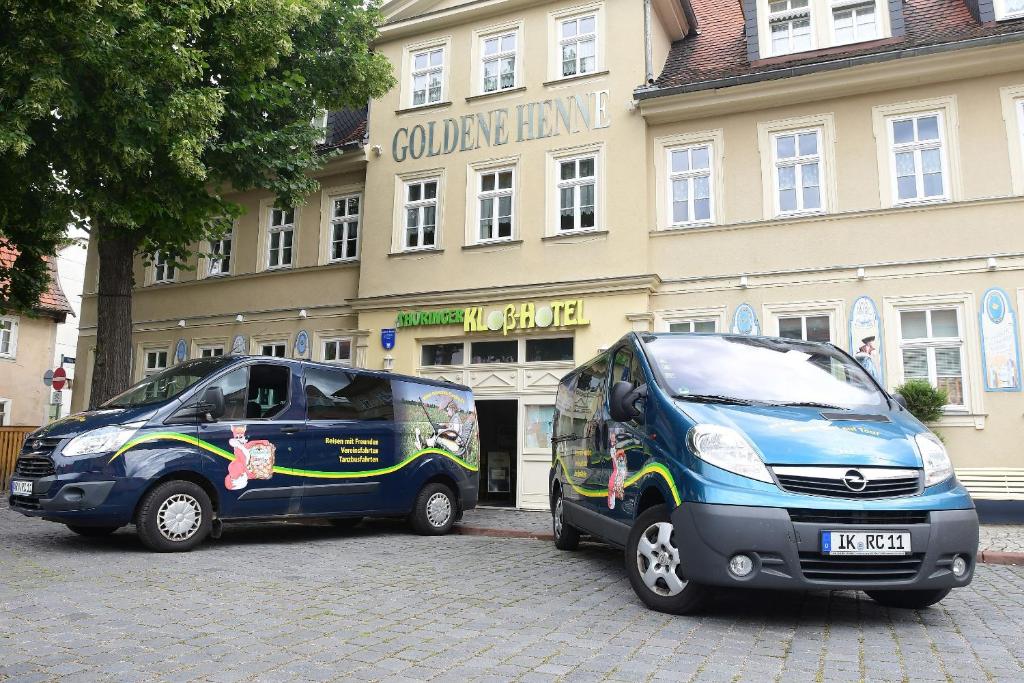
<point x="623" y="399"/>
<point x="900" y="400"/>
<point x="212" y="403"/>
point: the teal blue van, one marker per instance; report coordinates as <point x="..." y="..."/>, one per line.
<point x="758" y="462"/>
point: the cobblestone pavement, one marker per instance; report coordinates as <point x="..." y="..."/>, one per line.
<point x="999" y="537"/>
<point x="302" y="602"/>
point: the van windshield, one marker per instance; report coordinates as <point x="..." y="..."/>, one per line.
<point x="167" y="384"/>
<point x="759" y="370"/>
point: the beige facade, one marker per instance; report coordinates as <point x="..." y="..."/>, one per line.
<point x="678" y="211"/>
<point x="26" y="353"/>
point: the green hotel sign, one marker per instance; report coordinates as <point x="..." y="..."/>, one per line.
<point x="504" y="319"/>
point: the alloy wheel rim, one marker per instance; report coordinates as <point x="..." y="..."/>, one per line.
<point x="558" y="517"/>
<point x="439" y="510"/>
<point x="657" y="559"/>
<point x="179" y="517"/>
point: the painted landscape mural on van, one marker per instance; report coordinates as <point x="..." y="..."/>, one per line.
<point x="435" y="417"/>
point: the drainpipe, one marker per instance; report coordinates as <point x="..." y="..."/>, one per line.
<point x="648" y="48"/>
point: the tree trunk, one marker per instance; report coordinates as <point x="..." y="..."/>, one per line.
<point x="112" y="371"/>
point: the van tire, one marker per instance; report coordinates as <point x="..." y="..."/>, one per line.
<point x="434" y="511"/>
<point x="653" y="521"/>
<point x="566" y="537"/>
<point x="92" y="531"/>
<point x="175" y="516"/>
<point x="345" y="523"/>
<point x="909" y="599"/>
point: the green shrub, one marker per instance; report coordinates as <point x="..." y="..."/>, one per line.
<point x="924" y="401"/>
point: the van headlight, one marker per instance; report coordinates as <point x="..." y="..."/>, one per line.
<point x="100" y="440"/>
<point x="728" y="449"/>
<point x="937" y="467"/>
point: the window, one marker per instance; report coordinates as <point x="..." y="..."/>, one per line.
<point x="276" y="349"/>
<point x="495" y="196"/>
<point x="806" y="327"/>
<point x="268" y="391"/>
<point x="338" y="395"/>
<point x="421" y="214"/>
<point x="1009" y="9"/>
<point x="918" y="157"/>
<point x="578" y="45"/>
<point x="499" y="62"/>
<point x="156" y="360"/>
<point x="558" y="349"/>
<point x="504" y="351"/>
<point x="337" y="350"/>
<point x="427" y="76"/>
<point x="577" y="183"/>
<point x="163" y="268"/>
<point x="281" y="238"/>
<point x="690" y="185"/>
<point x="442" y="354"/>
<point x="210" y="351"/>
<point x="219" y="260"/>
<point x="319" y="122"/>
<point x="5" y="412"/>
<point x="931" y="346"/>
<point x="694" y="326"/>
<point x="344" y="228"/>
<point x="797" y="171"/>
<point x="790" y="24"/>
<point x="854" y="21"/>
<point x="8" y="336"/>
<point x="234" y="387"/>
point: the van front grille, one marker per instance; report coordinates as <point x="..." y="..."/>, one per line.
<point x="817" y="567"/>
<point x="857" y="483"/>
<point x="40" y="446"/>
<point x="34" y="466"/>
<point x="862" y="517"/>
<point x="24" y="503"/>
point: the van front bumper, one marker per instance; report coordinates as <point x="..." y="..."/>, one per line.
<point x="73" y="500"/>
<point x="786" y="554"/>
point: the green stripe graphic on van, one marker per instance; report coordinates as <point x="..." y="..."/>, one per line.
<point x="650" y="468"/>
<point x="315" y="474"/>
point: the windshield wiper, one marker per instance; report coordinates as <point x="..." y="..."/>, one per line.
<point x="808" y="404"/>
<point x="715" y="398"/>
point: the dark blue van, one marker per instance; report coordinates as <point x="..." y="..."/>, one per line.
<point x="245" y="438"/>
<point x="727" y="460"/>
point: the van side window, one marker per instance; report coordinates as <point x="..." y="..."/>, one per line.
<point x="233" y="386"/>
<point x="268" y="391"/>
<point x="625" y="368"/>
<point x="338" y="395"/>
<point x="590" y="394"/>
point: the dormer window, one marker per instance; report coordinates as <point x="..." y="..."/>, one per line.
<point x="854" y="21"/>
<point x="1009" y="9"/>
<point x="790" y="23"/>
<point x="792" y="26"/>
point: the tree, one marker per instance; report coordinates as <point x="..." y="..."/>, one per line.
<point x="133" y="119"/>
<point x="924" y="401"/>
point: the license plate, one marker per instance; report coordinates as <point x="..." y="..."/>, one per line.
<point x="865" y="542"/>
<point x="21" y="488"/>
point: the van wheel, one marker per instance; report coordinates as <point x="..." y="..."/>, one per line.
<point x="345" y="523"/>
<point x="92" y="531"/>
<point x="652" y="563"/>
<point x="434" y="511"/>
<point x="909" y="599"/>
<point x="566" y="537"/>
<point x="174" y="517"/>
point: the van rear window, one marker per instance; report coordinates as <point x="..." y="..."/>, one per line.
<point x="341" y="395"/>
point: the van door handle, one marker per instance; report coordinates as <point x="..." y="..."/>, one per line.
<point x="290" y="430"/>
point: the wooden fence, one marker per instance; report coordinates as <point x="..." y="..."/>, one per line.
<point x="11" y="440"/>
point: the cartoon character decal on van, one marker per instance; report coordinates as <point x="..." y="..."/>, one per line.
<point x="620" y="470"/>
<point x="253" y="460"/>
<point x="438" y="419"/>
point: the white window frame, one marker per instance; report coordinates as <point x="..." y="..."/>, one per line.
<point x="789" y="16"/>
<point x="209" y="350"/>
<point x="347" y="221"/>
<point x="261" y="344"/>
<point x="211" y="258"/>
<point x="170" y="272"/>
<point x="481" y="80"/>
<point x="479" y="195"/>
<point x="853" y="6"/>
<point x="802" y="317"/>
<point x="5" y="415"/>
<point x="663" y="171"/>
<point x="1002" y="14"/>
<point x="271" y="229"/>
<point x="419" y="205"/>
<point x="319" y="122"/>
<point x="834" y="309"/>
<point x="1012" y="97"/>
<point x="147" y="352"/>
<point x="930" y="344"/>
<point x="690" y="176"/>
<point x="411" y="52"/>
<point x="556" y="19"/>
<point x="798" y="162"/>
<point x="767" y="133"/>
<point x="664" y="319"/>
<point x="592" y="37"/>
<point x="822" y="25"/>
<point x="576" y="183"/>
<point x="973" y="413"/>
<point x="325" y="341"/>
<point x="916" y="148"/>
<point x="12" y="345"/>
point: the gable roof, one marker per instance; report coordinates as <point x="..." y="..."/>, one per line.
<point x="52" y="302"/>
<point x="719" y="53"/>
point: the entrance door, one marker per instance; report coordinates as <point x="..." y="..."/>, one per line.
<point x="499" y="427"/>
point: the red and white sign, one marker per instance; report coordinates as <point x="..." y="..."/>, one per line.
<point x="60" y="378"/>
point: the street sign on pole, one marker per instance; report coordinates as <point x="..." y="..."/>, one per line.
<point x="58" y="379"/>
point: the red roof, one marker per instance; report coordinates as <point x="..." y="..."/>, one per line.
<point x="52" y="300"/>
<point x="719" y="49"/>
